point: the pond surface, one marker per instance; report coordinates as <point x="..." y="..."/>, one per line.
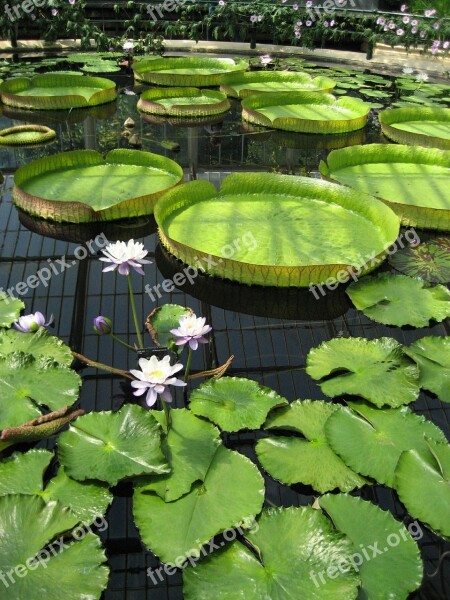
<point x="268" y="331"/>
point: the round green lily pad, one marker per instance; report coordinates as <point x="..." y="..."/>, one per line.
<point x="241" y="85"/>
<point x="306" y="112"/>
<point x="52" y="91"/>
<point x="429" y="260"/>
<point x="26" y="134"/>
<point x="183" y="102"/>
<point x="399" y="175"/>
<point x="417" y="126"/>
<point x="273" y="230"/>
<point x="82" y="186"/>
<point x="432" y="354"/>
<point x="190" y="71"/>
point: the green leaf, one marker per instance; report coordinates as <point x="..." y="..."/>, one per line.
<point x="110" y="446"/>
<point x="400" y="176"/>
<point x="389" y="559"/>
<point x="183" y="102"/>
<point x="24" y="378"/>
<point x="83" y="186"/>
<point x="38" y="344"/>
<point x="28" y="525"/>
<point x="420" y="126"/>
<point x="292" y="546"/>
<point x="10" y="309"/>
<point x="400" y="300"/>
<point x="241" y="85"/>
<point x="52" y="91"/>
<point x="306" y="112"/>
<point x="23" y="473"/>
<point x="370" y="441"/>
<point x="87" y="501"/>
<point x="429" y="260"/>
<point x="422" y="480"/>
<point x="186" y="71"/>
<point x="234" y="403"/>
<point x="189" y="448"/>
<point x="310" y="461"/>
<point x="162" y="319"/>
<point x="226" y="232"/>
<point x="432" y="354"/>
<point x="376" y="370"/>
<point x="232" y="490"/>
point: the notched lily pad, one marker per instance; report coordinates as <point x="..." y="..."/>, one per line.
<point x="432" y="354"/>
<point x="162" y="319"/>
<point x="10" y="309"/>
<point x="308" y="460"/>
<point x="234" y="403"/>
<point x="283" y="558"/>
<point x="400" y="300"/>
<point x="376" y="370"/>
<point x="111" y="446"/>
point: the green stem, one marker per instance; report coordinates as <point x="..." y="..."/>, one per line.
<point x="188" y="365"/>
<point x="116" y="339"/>
<point x="135" y="317"/>
<point x="166" y="408"/>
<point x="98" y="365"/>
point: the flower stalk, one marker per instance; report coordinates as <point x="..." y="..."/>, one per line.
<point x="134" y="311"/>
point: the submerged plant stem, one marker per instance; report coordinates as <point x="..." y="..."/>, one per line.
<point x="166" y="408"/>
<point x="135" y="317"/>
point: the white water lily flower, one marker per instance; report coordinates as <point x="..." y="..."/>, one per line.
<point x="128" y="45"/>
<point x="155" y="378"/>
<point x="265" y="59"/>
<point x="408" y="70"/>
<point x="191" y="330"/>
<point x="125" y="255"/>
<point x="31" y="323"/>
<point x="421" y="77"/>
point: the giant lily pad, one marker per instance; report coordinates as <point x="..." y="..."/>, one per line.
<point x="376" y="370"/>
<point x="400" y="300"/>
<point x="39" y="344"/>
<point x="189" y="71"/>
<point x="430" y="260"/>
<point x="183" y="102"/>
<point x="432" y="354"/>
<point x="27" y="382"/>
<point x="390" y="564"/>
<point x="307" y="223"/>
<point x="370" y="441"/>
<point x="241" y="85"/>
<point x="10" y="309"/>
<point x="232" y="490"/>
<point x="51" y="91"/>
<point x="425" y="126"/>
<point x="422" y="480"/>
<point x="26" y="134"/>
<point x="189" y="446"/>
<point x="82" y="186"/>
<point x="287" y="552"/>
<point x="71" y="569"/>
<point x="306" y="112"/>
<point x="400" y="176"/>
<point x="110" y="446"/>
<point x="234" y="403"/>
<point x="309" y="461"/>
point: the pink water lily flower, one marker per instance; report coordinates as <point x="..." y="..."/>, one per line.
<point x="154" y="379"/>
<point x="191" y="330"/>
<point x="31" y="323"/>
<point x="125" y="256"/>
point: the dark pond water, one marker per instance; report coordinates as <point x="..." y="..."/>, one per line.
<point x="268" y="331"/>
